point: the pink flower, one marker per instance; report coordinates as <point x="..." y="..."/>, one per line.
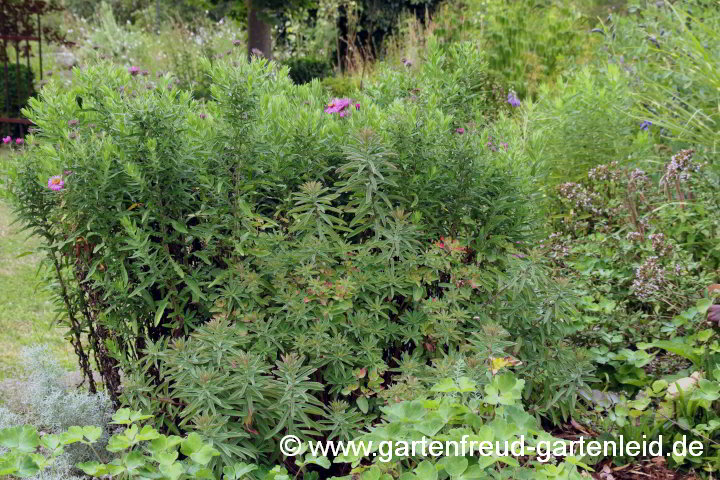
<point x="337" y="105"/>
<point x="460" y="130"/>
<point x="134" y="70"/>
<point x="19" y="141"/>
<point x="7" y="140"/>
<point x="357" y="106"/>
<point x="56" y="183"/>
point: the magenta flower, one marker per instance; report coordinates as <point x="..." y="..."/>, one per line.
<point x="134" y="70"/>
<point x="460" y="130"/>
<point x="7" y="140"/>
<point x="337" y="105"/>
<point x="19" y="141"/>
<point x="357" y="106"/>
<point x="56" y="183"/>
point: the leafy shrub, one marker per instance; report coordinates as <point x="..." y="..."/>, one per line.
<point x="304" y="70"/>
<point x="527" y="43"/>
<point x="341" y="86"/>
<point x="308" y="250"/>
<point x="20" y="85"/>
<point x="585" y="125"/>
<point x="451" y="78"/>
<point x="681" y="80"/>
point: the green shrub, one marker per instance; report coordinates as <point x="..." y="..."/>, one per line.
<point x="267" y="240"/>
<point x="341" y="86"/>
<point x="18" y="85"/>
<point x="304" y="70"/>
<point x="453" y="79"/>
<point x="584" y="125"/>
<point x="527" y="43"/>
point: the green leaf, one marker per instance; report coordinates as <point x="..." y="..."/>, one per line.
<point x="362" y="404"/>
<point x="199" y="452"/>
<point x="118" y="443"/>
<point x="160" y="310"/>
<point x="179" y="226"/>
<point x="455" y="466"/>
<point x="426" y="471"/>
<point x="172" y="470"/>
<point x="92" y="433"/>
<point x="134" y="461"/>
<point x="147" y="433"/>
<point x="504" y="389"/>
<point x="94" y="469"/>
<point x="320" y="461"/>
<point x="430" y="425"/>
<point x="703" y="305"/>
<point x="238" y="471"/>
<point x="23" y="439"/>
<point x="446" y="385"/>
<point x="165" y="457"/>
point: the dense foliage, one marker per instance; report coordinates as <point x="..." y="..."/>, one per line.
<point x="263" y="259"/>
<point x="452" y="413"/>
<point x="329" y="255"/>
<point x="303" y="70"/>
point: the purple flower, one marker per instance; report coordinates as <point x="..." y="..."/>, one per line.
<point x="67" y="172"/>
<point x="646" y="125"/>
<point x="504" y="145"/>
<point x="56" y="183"/>
<point x="460" y="130"/>
<point x="203" y="116"/>
<point x="19" y="141"/>
<point x="134" y="70"/>
<point x="237" y="42"/>
<point x="357" y="106"/>
<point x="73" y="122"/>
<point x="407" y="62"/>
<point x="513" y="100"/>
<point x="337" y="105"/>
<point x="7" y="140"/>
<point x="145" y="73"/>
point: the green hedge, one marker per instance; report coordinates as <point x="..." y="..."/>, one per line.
<point x="19" y="89"/>
<point x="304" y="70"/>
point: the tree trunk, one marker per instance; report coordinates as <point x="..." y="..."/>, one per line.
<point x="259" y="34"/>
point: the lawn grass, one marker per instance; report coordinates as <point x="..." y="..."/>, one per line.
<point x="26" y="312"/>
